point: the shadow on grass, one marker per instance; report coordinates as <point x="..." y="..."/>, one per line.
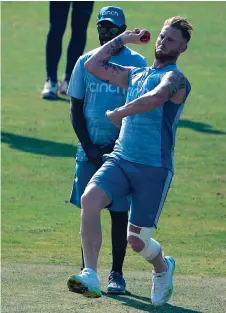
<point x="144" y="304"/>
<point x="59" y="98"/>
<point x="38" y="146"/>
<point x="56" y="149"/>
<point x="200" y="127"/>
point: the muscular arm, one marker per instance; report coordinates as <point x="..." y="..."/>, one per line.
<point x="78" y="122"/>
<point x="98" y="64"/>
<point x="171" y="87"/>
<point x="94" y="152"/>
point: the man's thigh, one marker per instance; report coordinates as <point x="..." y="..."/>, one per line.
<point x="84" y="170"/>
<point x="113" y="181"/>
<point x="149" y="186"/>
<point x="58" y="13"/>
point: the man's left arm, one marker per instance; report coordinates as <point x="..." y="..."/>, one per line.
<point x="172" y="87"/>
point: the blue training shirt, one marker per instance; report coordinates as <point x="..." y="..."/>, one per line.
<point x="99" y="97"/>
<point x="149" y="138"/>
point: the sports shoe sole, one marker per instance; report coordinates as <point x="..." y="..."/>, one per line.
<point x="75" y="285"/>
<point x="115" y="291"/>
<point x="49" y="96"/>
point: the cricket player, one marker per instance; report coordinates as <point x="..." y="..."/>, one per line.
<point x="142" y="162"/>
<point x="90" y="98"/>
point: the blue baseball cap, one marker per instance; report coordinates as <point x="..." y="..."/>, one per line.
<point x="112" y="14"/>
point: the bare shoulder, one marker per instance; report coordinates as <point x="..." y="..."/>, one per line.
<point x="175" y="81"/>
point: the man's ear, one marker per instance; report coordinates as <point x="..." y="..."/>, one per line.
<point x="123" y="28"/>
<point x="183" y="48"/>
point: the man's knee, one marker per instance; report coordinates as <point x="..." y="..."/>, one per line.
<point x="88" y="196"/>
<point x="136" y="243"/>
<point x="141" y="242"/>
<point x="94" y="198"/>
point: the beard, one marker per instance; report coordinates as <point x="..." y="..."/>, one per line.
<point x="105" y="39"/>
<point x="171" y="56"/>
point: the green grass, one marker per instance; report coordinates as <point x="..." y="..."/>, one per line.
<point x="41" y="289"/>
<point x="38" y="225"/>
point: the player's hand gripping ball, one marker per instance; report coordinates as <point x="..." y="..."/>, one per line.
<point x="146" y="37"/>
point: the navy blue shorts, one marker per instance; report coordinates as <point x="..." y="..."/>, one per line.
<point x="84" y="170"/>
<point x="146" y="185"/>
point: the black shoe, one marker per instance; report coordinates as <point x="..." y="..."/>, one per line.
<point x="116" y="283"/>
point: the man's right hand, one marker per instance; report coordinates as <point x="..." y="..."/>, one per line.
<point x="107" y="149"/>
<point x="94" y="155"/>
<point x="135" y="36"/>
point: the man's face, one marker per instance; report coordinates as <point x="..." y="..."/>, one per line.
<point x="170" y="44"/>
<point x="107" y="31"/>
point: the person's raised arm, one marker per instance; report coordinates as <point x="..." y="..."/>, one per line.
<point x="98" y="64"/>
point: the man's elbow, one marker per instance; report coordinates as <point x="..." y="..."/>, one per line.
<point x="87" y="65"/>
<point x="90" y="66"/>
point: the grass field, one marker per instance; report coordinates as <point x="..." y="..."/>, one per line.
<point x="40" y="241"/>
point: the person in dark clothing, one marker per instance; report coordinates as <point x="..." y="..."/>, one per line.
<point x="58" y="15"/>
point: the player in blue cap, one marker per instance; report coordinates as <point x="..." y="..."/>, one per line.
<point x="90" y="98"/>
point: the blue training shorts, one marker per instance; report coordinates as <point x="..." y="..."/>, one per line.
<point x="147" y="186"/>
<point x="84" y="170"/>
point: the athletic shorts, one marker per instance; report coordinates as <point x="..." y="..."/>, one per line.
<point x="84" y="170"/>
<point x="146" y="185"/>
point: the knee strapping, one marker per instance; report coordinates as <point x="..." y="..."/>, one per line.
<point x="151" y="247"/>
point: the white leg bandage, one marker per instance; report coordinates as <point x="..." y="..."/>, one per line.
<point x="151" y="247"/>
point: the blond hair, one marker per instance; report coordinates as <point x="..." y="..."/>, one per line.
<point x="182" y="24"/>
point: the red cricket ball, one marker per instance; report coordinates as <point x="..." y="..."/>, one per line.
<point x="146" y="37"/>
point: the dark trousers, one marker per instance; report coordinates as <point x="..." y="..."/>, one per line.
<point x="58" y="14"/>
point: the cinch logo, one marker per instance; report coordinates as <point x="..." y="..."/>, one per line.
<point x="110" y="13"/>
